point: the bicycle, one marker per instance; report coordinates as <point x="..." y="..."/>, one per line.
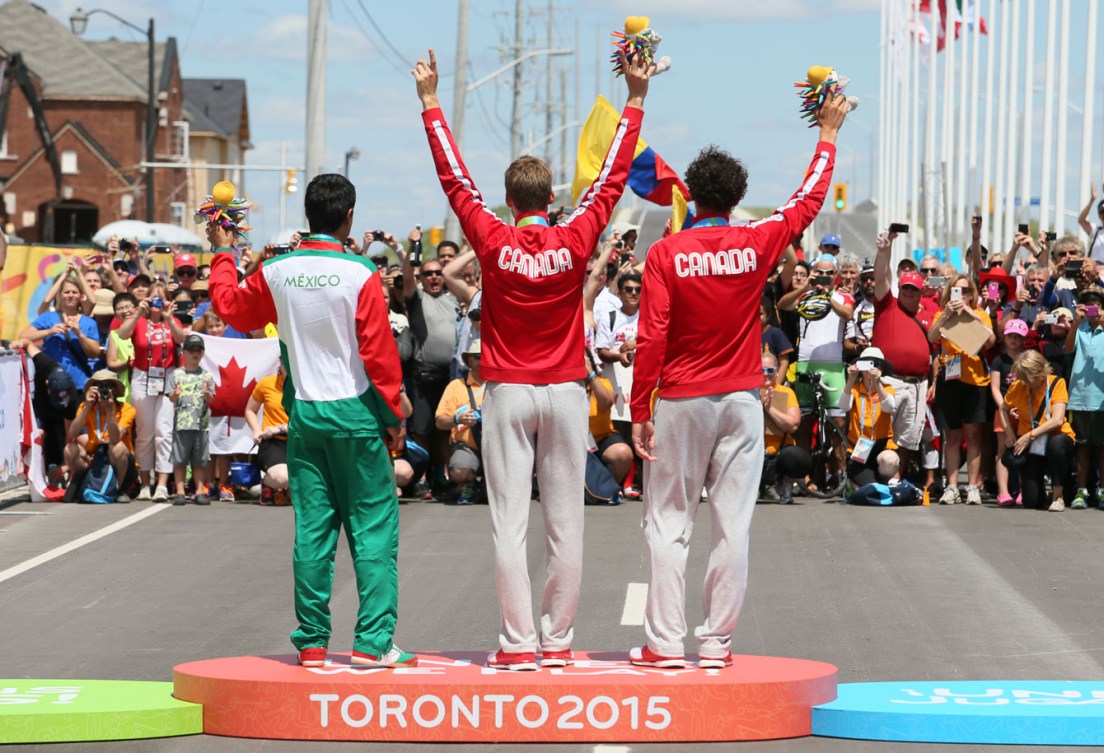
<point x="829" y="447"/>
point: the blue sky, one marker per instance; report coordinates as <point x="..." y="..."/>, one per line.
<point x="734" y="63"/>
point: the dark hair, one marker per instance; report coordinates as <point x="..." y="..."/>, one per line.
<point x="716" y="179"/>
<point x="327" y="202"/>
<point x="121" y="297"/>
<point x="447" y="244"/>
<point x="629" y="277"/>
<point x="183" y="292"/>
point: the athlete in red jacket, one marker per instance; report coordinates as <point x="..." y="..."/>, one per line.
<point x="535" y="406"/>
<point x="698" y="346"/>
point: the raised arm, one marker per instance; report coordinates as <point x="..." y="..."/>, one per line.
<point x="246" y="307"/>
<point x="973" y="256"/>
<point x="456" y="284"/>
<point x="1083" y="218"/>
<point x="883" y="273"/>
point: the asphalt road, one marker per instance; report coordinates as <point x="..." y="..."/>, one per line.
<point x="939" y="593"/>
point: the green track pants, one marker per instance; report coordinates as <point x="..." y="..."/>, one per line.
<point x="346" y="482"/>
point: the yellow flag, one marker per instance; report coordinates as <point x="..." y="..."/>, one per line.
<point x="679" y="209"/>
<point x="594" y="143"/>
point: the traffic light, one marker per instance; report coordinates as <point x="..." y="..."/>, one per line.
<point x="291" y="185"/>
<point x="436" y="235"/>
<point x="839" y="191"/>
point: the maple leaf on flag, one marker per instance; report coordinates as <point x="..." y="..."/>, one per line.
<point x="232" y="392"/>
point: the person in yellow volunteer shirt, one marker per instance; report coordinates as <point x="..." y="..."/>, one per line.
<point x="270" y="434"/>
<point x="869" y="404"/>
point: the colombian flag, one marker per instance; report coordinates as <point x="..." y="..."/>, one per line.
<point x="650" y="177"/>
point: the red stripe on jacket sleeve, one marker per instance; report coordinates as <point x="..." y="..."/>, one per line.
<point x="377" y="346"/>
<point x="244" y="307"/>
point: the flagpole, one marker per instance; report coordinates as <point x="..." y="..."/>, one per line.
<point x="883" y="114"/>
<point x="1063" y="121"/>
<point x="915" y="161"/>
<point x="1048" y="117"/>
<point x="901" y="38"/>
<point x="1088" y="112"/>
<point x="894" y="103"/>
<point x="929" y="136"/>
<point x="947" y="138"/>
<point x="960" y="165"/>
<point x="1012" y="115"/>
<point x="972" y="141"/>
<point x="1029" y="117"/>
<point x="999" y="244"/>
<point x="985" y="205"/>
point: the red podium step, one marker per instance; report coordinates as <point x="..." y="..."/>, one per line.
<point x="452" y="697"/>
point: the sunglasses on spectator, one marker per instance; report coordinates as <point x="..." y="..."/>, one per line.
<point x="433" y="273"/>
<point x="769" y="369"/>
<point x="1059" y="254"/>
<point x="928" y="270"/>
<point x="186" y="272"/>
<point x="633" y="289"/>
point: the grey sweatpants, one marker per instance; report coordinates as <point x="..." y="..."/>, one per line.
<point x="714" y="441"/>
<point x="541" y="426"/>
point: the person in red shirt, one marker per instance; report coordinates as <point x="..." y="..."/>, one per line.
<point x="532" y="334"/>
<point x="706" y="428"/>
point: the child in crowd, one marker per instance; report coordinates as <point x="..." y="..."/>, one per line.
<point x="1001" y="378"/>
<point x="1086" y="341"/>
<point x="191" y="389"/>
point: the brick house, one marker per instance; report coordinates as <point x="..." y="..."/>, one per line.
<point x="94" y="99"/>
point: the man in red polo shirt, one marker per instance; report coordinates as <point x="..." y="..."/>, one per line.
<point x="706" y="428"/>
<point x="901" y="326"/>
<point x="535" y="407"/>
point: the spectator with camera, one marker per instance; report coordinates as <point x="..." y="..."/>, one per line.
<point x="961" y="399"/>
<point x="1039" y="437"/>
<point x="1001" y="378"/>
<point x="155" y="333"/>
<point x="68" y="336"/>
<point x="191" y="390"/>
<point x="616" y="343"/>
<point x="869" y="404"/>
<point x="120" y="351"/>
<point x="783" y="461"/>
<point x="1085" y="341"/>
<point x="460" y="412"/>
<point x="104" y="426"/>
<point x="615" y="453"/>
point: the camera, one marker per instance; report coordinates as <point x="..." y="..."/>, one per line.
<point x="280" y="249"/>
<point x="157" y="302"/>
<point x="898" y="227"/>
<point x="936" y="281"/>
<point x="1052" y="236"/>
<point x="822" y="280"/>
<point x="993" y="292"/>
<point x="1092" y="311"/>
<point x="1073" y="268"/>
<point x="377" y="235"/>
<point x="1023" y="228"/>
<point x="956" y="294"/>
<point x="864" y="365"/>
<point x="161" y="249"/>
<point x="619" y="244"/>
<point x="104" y="393"/>
<point x="125" y="245"/>
<point x="1051" y="319"/>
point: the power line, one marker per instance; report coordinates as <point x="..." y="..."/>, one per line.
<point x="371" y="41"/>
<point x="383" y="36"/>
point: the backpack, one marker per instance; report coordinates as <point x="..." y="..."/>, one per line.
<point x="599" y="485"/>
<point x="100" y="486"/>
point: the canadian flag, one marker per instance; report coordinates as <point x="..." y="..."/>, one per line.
<point x="237" y="366"/>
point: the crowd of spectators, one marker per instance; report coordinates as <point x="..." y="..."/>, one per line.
<point x="928" y="370"/>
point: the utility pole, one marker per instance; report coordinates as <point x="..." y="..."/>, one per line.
<point x="548" y="86"/>
<point x="515" y="120"/>
<point x="316" y="87"/>
<point x="459" y="93"/>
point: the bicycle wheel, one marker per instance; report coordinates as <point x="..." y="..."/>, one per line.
<point x="829" y="474"/>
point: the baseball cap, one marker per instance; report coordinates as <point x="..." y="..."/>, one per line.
<point x="474" y="349"/>
<point x="140" y="277"/>
<point x="826" y="257"/>
<point x="60" y="388"/>
<point x="831" y="239"/>
<point x="1015" y="327"/>
<point x="194" y="342"/>
<point x="623" y="228"/>
<point x="103" y="299"/>
<point x="907" y="262"/>
<point x="912" y="278"/>
<point x="867" y="268"/>
<point x="184" y="260"/>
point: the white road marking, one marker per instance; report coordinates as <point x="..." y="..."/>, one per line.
<point x="612" y="748"/>
<point x="635" y="598"/>
<point x="56" y="552"/>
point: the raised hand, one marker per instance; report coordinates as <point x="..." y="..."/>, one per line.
<point x="637" y="75"/>
<point x="425" y="75"/>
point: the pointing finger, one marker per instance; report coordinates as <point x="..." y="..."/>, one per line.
<point x="432" y="60"/>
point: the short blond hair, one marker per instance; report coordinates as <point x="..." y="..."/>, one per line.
<point x="1030" y="367"/>
<point x="528" y="184"/>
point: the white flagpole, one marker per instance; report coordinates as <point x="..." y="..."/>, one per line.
<point x="999" y="244"/>
<point x="972" y="141"/>
<point x="883" y="114"/>
<point x="947" y="158"/>
<point x="915" y="160"/>
<point x="929" y="136"/>
<point x="1026" y="186"/>
<point x="1063" y="121"/>
<point x="1087" y="116"/>
<point x="1012" y="114"/>
<point x="987" y="135"/>
<point x="890" y="184"/>
<point x="900" y="42"/>
<point x="960" y="142"/>
<point x="1048" y="118"/>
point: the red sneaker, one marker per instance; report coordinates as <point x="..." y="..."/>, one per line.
<point x="645" y="657"/>
<point x="557" y="658"/>
<point x="267" y="497"/>
<point x="514" y="662"/>
<point x="315" y="656"/>
<point x="710" y="662"/>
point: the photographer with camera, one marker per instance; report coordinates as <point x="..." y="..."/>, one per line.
<point x="460" y="412"/>
<point x="155" y="333"/>
<point x="870" y="403"/>
<point x="103" y="425"/>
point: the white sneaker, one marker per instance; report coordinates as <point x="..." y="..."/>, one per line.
<point x="144" y="494"/>
<point x="973" y="495"/>
<point x="161" y="494"/>
<point x="1057" y="505"/>
<point x="396" y="657"/>
<point x="123" y="499"/>
<point x="950" y="496"/>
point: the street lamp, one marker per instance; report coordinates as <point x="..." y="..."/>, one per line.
<point x="352" y="154"/>
<point x="78" y="22"/>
